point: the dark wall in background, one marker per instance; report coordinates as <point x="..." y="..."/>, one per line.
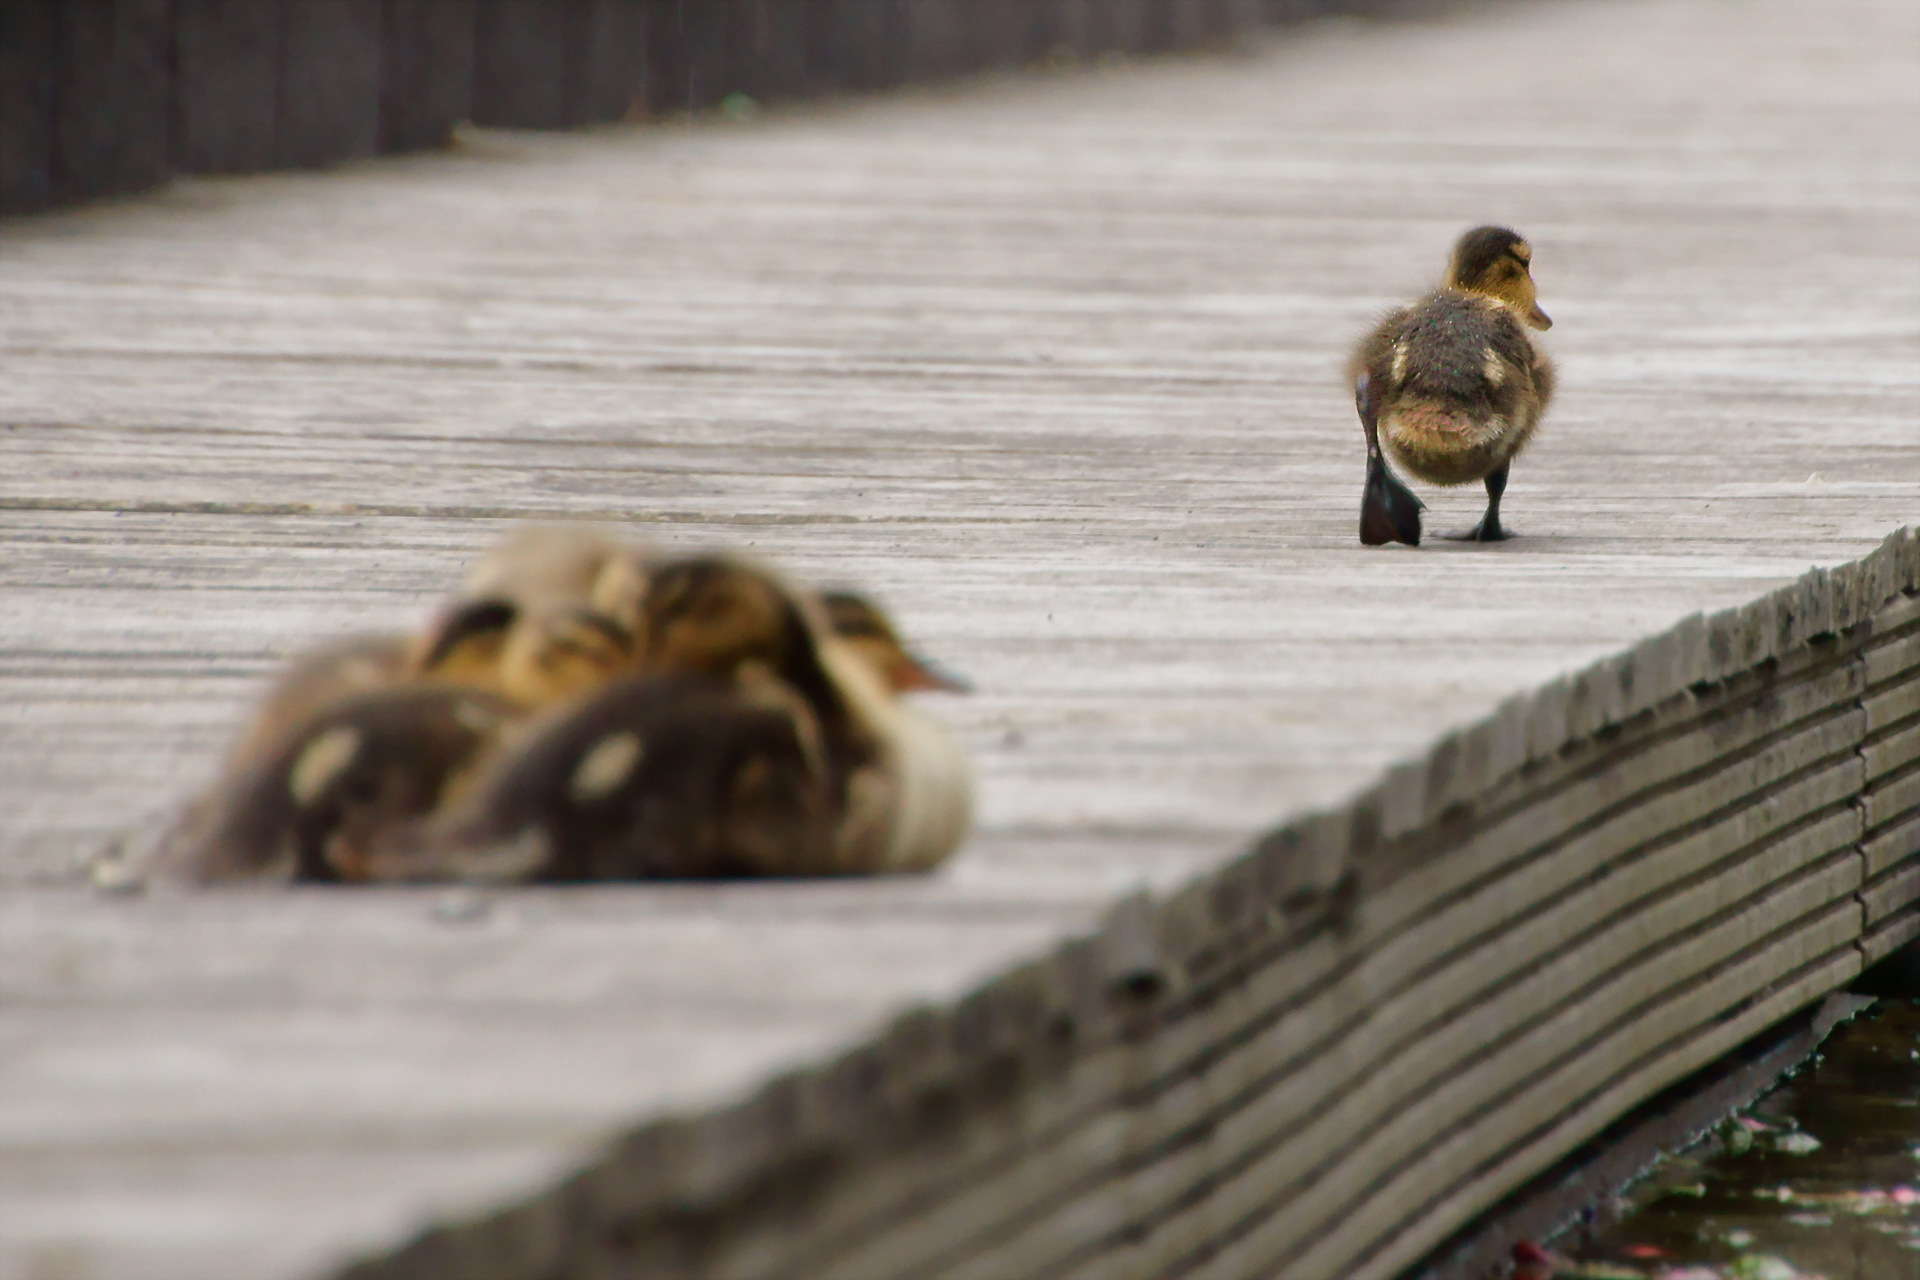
<point x="106" y="96"/>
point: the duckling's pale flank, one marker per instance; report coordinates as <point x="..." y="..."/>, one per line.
<point x="1451" y="388"/>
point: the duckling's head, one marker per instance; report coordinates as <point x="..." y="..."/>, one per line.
<point x="868" y="631"/>
<point x="711" y="614"/>
<point x="1498" y="262"/>
<point x="536" y="657"/>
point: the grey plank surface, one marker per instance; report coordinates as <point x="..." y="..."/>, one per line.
<point x="1050" y="364"/>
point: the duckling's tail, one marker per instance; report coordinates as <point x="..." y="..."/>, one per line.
<point x="1389" y="511"/>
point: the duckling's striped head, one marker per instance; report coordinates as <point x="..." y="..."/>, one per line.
<point x="867" y="629"/>
<point x="1498" y="262"/>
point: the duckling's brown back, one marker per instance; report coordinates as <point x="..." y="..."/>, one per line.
<point x="1461" y="350"/>
<point x="657" y="776"/>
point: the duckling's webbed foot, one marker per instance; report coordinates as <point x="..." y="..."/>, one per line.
<point x="1389" y="511"/>
<point x="1489" y="529"/>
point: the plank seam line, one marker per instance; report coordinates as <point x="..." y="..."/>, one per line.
<point x="1140" y="1097"/>
<point x="1517" y="1034"/>
<point x="1262" y="1020"/>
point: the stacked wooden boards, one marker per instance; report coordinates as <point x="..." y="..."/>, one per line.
<point x="106" y="96"/>
<point x="1323" y="1059"/>
<point x="1053" y="365"/>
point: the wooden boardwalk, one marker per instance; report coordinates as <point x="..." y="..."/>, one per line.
<point x="1050" y="363"/>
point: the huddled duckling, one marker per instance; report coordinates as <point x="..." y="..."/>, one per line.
<point x="758" y="743"/>
<point x="583" y="711"/>
<point x="309" y="805"/>
<point x="859" y="623"/>
<point x="318" y="677"/>
<point x="655" y="777"/>
<point x="1452" y="387"/>
<point x="550" y="613"/>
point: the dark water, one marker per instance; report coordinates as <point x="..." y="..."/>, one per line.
<point x="1820" y="1178"/>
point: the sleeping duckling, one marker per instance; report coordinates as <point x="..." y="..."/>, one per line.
<point x="548" y="614"/>
<point x="317" y="677"/>
<point x="1452" y="387"/>
<point x="660" y="776"/>
<point x="898" y="778"/>
<point x="756" y="744"/>
<point x="540" y="566"/>
<point x="309" y="806"/>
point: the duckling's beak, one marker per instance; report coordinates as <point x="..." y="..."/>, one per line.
<point x="913" y="673"/>
<point x="1538" y="318"/>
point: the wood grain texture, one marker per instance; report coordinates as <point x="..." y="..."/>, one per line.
<point x="1050" y="364"/>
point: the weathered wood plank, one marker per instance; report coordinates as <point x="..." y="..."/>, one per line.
<point x="426" y="71"/>
<point x="330" y="59"/>
<point x="110" y="126"/>
<point x="1052" y="369"/>
<point x="520" y="62"/>
<point x="29" y="52"/>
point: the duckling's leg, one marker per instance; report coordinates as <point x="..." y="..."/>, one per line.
<point x="1489" y="529"/>
<point x="1389" y="511"/>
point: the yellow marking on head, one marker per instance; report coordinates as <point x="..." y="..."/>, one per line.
<point x="606" y="767"/>
<point x="321" y="763"/>
<point x="1400" y="355"/>
<point x="1521" y="250"/>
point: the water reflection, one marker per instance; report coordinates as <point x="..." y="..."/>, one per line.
<point x="1821" y="1178"/>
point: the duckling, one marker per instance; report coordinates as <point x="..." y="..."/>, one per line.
<point x="317" y="677"/>
<point x="757" y="743"/>
<point x="861" y="624"/>
<point x="899" y="779"/>
<point x="548" y="614"/>
<point x="309" y="806"/>
<point x="666" y="775"/>
<point x="1452" y="387"/>
<point x="539" y="566"/>
<point x="535" y="659"/>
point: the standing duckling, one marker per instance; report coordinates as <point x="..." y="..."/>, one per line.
<point x="1452" y="387"/>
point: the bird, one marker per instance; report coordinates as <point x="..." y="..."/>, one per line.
<point x="754" y="741"/>
<point x="1452" y="387"/>
<point x="551" y="612"/>
<point x="866" y="629"/>
<point x="308" y="805"/>
<point x="315" y="677"/>
<point x="657" y="776"/>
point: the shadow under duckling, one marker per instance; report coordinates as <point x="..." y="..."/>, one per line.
<point x="310" y="805"/>
<point x="1452" y="387"/>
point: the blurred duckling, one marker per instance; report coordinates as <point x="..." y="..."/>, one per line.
<point x="547" y="615"/>
<point x="309" y="806"/>
<point x="757" y="743"/>
<point x="1452" y="387"/>
<point x="661" y="776"/>
<point x="901" y="782"/>
<point x="860" y="624"/>
<point x="317" y="677"/>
